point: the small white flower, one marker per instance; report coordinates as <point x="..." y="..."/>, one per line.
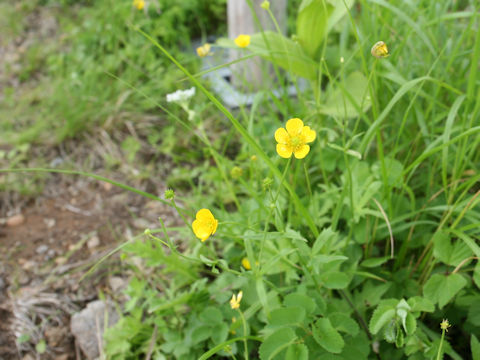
<point x="180" y="96"/>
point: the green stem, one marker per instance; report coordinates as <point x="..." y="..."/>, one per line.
<point x="244" y="324"/>
<point x="439" y="353"/>
<point x="272" y="207"/>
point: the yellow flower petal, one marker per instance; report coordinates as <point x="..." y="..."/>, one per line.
<point x="205" y="224"/>
<point x="201" y="231"/>
<point x="284" y="151"/>
<point x="203" y="50"/>
<point x="242" y="40"/>
<point x="204" y="215"/>
<point x="379" y="50"/>
<point x="302" y="152"/>
<point x="281" y="136"/>
<point x="308" y="134"/>
<point x="294" y="126"/>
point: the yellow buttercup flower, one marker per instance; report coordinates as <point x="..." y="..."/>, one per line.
<point x="246" y="264"/>
<point x="242" y="40"/>
<point x="235" y="300"/>
<point x="380" y="50"/>
<point x="203" y="50"/>
<point x="139" y="4"/>
<point x="204" y="224"/>
<point x="294" y="139"/>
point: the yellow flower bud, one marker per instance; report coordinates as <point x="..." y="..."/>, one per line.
<point x="204" y="50"/>
<point x="139" y="4"/>
<point x="380" y="50"/>
<point x="265" y="5"/>
<point x="242" y="40"/>
<point x="246" y="264"/>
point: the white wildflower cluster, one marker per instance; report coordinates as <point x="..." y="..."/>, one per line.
<point x="181" y="96"/>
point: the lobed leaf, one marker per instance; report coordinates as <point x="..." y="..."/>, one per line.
<point x="327" y="336"/>
<point x="441" y="289"/>
<point x="276" y="343"/>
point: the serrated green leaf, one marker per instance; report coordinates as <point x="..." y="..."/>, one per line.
<point x="349" y="98"/>
<point x="322" y="242"/>
<point x="356" y="348"/>
<point x="394" y="170"/>
<point x="201" y="333"/>
<point x="276" y="343"/>
<point x="374" y="262"/>
<point x="399" y="341"/>
<point x="302" y="300"/>
<point x="335" y="280"/>
<point x="475" y="347"/>
<point x="327" y="337"/>
<point x="297" y="352"/>
<point x="343" y="322"/>
<point x="381" y="316"/>
<point x="441" y="289"/>
<point x="211" y="315"/>
<point x="402" y="311"/>
<point x="418" y="303"/>
<point x="410" y="324"/>
<point x="447" y="252"/>
<point x="287" y="316"/>
<point x="220" y="333"/>
<point x="312" y="20"/>
<point x="390" y="332"/>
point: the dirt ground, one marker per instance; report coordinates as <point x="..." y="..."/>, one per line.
<point x="47" y="247"/>
<point x="66" y="226"/>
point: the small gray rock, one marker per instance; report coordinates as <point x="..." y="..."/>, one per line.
<point x="87" y="326"/>
<point x="93" y="242"/>
<point x="42" y="249"/>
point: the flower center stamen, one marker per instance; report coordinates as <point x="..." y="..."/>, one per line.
<point x="295" y="142"/>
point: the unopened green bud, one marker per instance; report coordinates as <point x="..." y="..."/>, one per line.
<point x="265" y="5"/>
<point x="147" y="232"/>
<point x="169" y="194"/>
<point x="267" y="182"/>
<point x="236" y="172"/>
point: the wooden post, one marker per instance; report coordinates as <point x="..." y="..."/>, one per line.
<point x="248" y="73"/>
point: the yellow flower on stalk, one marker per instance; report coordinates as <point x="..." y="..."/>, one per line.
<point x="265" y="5"/>
<point x="235" y="300"/>
<point x="444" y="325"/>
<point x="294" y="139"/>
<point x="246" y="264"/>
<point x="242" y="40"/>
<point x="204" y="224"/>
<point x="139" y="4"/>
<point x="203" y="50"/>
<point x="380" y="50"/>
